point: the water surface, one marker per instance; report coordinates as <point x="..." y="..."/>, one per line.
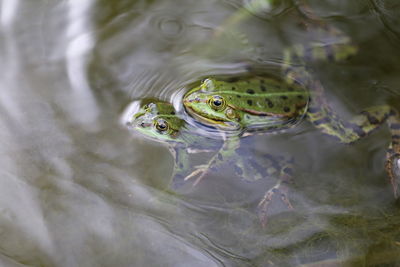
<point x="78" y="189"/>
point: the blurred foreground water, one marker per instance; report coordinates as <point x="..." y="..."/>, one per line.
<point x="77" y="189"/>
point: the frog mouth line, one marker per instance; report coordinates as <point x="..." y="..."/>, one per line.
<point x="208" y="121"/>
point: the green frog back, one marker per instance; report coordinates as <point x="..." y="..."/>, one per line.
<point x="259" y="103"/>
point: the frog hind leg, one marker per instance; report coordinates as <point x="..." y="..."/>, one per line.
<point x="184" y="170"/>
<point x="281" y="189"/>
<point x="233" y="154"/>
<point x="329" y="45"/>
<point x="295" y="68"/>
<point x="251" y="169"/>
<point x="368" y="120"/>
<point x="244" y="164"/>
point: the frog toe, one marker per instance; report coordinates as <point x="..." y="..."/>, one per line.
<point x="199" y="172"/>
<point x="263" y="205"/>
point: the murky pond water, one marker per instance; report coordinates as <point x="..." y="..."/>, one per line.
<point x="79" y="189"/>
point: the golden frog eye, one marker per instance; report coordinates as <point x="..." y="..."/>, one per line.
<point x="217" y="102"/>
<point x="161" y="125"/>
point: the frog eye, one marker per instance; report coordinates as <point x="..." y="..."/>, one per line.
<point x="146" y="107"/>
<point x="161" y="125"/>
<point x="149" y="107"/>
<point x="217" y="102"/>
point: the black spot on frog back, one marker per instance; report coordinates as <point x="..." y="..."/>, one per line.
<point x="250" y="91"/>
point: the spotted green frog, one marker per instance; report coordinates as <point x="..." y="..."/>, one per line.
<point x="268" y="104"/>
<point x="249" y="105"/>
<point x="158" y="121"/>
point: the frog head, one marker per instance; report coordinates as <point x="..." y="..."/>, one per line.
<point x="206" y="104"/>
<point x="157" y="120"/>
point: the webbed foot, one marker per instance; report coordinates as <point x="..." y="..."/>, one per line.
<point x="263" y="205"/>
<point x="201" y="171"/>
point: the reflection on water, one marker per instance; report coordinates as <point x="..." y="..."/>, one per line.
<point x="77" y="189"/>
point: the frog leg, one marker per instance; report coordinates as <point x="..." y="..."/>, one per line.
<point x="251" y="7"/>
<point x="329" y="44"/>
<point x="201" y="170"/>
<point x="294" y="66"/>
<point x="324" y="118"/>
<point x="182" y="163"/>
<point x="368" y="120"/>
<point x="181" y="166"/>
<point x="226" y="151"/>
<point x="248" y="167"/>
<point x="281" y="188"/>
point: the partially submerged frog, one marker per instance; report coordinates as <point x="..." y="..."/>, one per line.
<point x="265" y="104"/>
<point x="261" y="105"/>
<point x="158" y="121"/>
<point x="257" y="104"/>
